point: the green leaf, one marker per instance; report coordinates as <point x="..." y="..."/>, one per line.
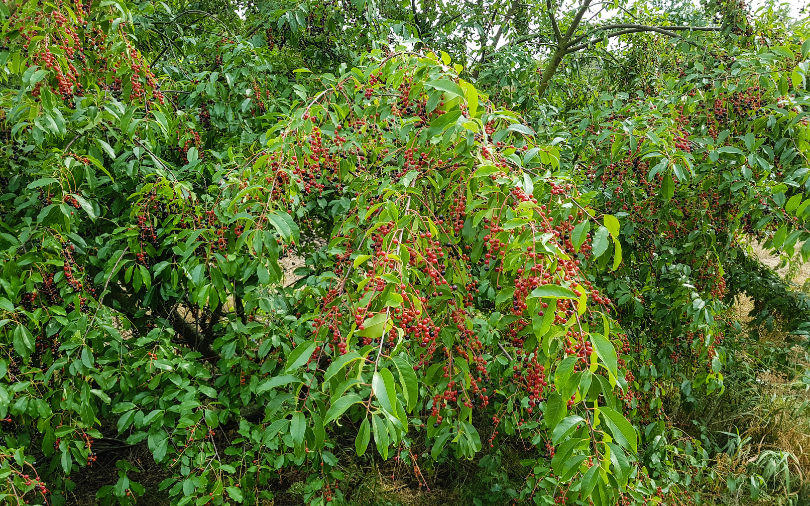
<point x="336" y="366"/>
<point x="300" y="355"/>
<point x="235" y="493"/>
<point x="380" y="435"/>
<point x="668" y="187"/>
<point x="447" y="86"/>
<point x="298" y="427"/>
<point x="521" y="129"/>
<point x="793" y="202"/>
<point x="623" y="432"/>
<point x="318" y="430"/>
<point x="87" y="206"/>
<point x="600" y="242"/>
<point x="438" y="445"/>
<point x="340" y="406"/>
<point x="67" y="463"/>
<point x="161" y="444"/>
<point x="161" y="119"/>
<point x="565" y="427"/>
<point x="440" y="123"/>
<point x="23" y="341"/>
<point x="471" y="95"/>
<point x="589" y="481"/>
<point x="571" y="467"/>
<point x="44" y="181"/>
<point x="106" y="147"/>
<point x="363" y="437"/>
<point x="730" y="149"/>
<point x="281" y="225"/>
<point x="563" y="453"/>
<point x="360" y="259"/>
<point x="805" y="48"/>
<point x="620" y="463"/>
<point x="580" y="234"/>
<point x="6" y="305"/>
<point x="617" y="257"/>
<point x="275" y="382"/>
<point x="555" y="410"/>
<point x="410" y="384"/>
<point x="384" y="388"/>
<point x="606" y="352"/>
<point x="553" y="292"/>
<point x="504" y="295"/>
<point x="374" y="327"/>
<point x="612" y="224"/>
<point x="37" y="77"/>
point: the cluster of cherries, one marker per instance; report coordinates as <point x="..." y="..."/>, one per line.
<point x="70" y="264"/>
<point x="42" y="346"/>
<point x="195" y="141"/>
<point x="71" y="201"/>
<point x="92" y="456"/>
<point x="84" y="47"/>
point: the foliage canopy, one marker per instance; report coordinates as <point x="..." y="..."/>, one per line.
<point x="495" y="249"/>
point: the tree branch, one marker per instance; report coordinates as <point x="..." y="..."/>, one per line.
<point x="498" y="34"/>
<point x="638" y="29"/>
<point x="416" y="19"/>
<point x="553" y="20"/>
<point x="648" y="28"/>
<point x="575" y="22"/>
<point x="203" y="13"/>
<point x="446" y="21"/>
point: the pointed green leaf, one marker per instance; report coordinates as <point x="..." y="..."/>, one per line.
<point x="383" y="386"/>
<point x="300" y="355"/>
<point x="363" y="437"/>
<point x="606" y="352"/>
<point x="410" y="384"/>
<point x="298" y="427"/>
<point x="553" y="292"/>
<point x="623" y="431"/>
<point x="612" y="224"/>
<point x="340" y="406"/>
<point x="565" y="427"/>
<point x="600" y="242"/>
<point x="275" y="382"/>
<point x="338" y="365"/>
<point x="580" y="233"/>
<point x="449" y="87"/>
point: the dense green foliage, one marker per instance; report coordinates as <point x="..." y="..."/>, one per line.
<point x="490" y="255"/>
